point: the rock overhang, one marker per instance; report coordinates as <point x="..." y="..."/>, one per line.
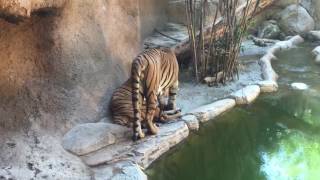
<point x="17" y="10"/>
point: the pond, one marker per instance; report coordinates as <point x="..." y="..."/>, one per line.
<point x="277" y="137"/>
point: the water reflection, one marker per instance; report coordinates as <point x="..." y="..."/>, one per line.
<point x="297" y="157"/>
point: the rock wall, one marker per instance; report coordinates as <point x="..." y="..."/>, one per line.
<point x="315" y="12"/>
<point x="177" y="11"/>
<point x="311" y="6"/>
<point x="60" y="67"/>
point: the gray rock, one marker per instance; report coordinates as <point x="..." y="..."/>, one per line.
<point x="152" y="148"/>
<point x="294" y="19"/>
<point x="285" y="3"/>
<point x="106" y="120"/>
<point x="299" y="86"/>
<point x="248" y="48"/>
<point x="246" y="95"/>
<point x="109" y="154"/>
<point x="6" y="175"/>
<point x="265" y="62"/>
<point x="124" y="170"/>
<point x="191" y="121"/>
<point x="312" y="36"/>
<point x="210" y="111"/>
<point x="268" y="86"/>
<point x="269" y="30"/>
<point x="316" y="53"/>
<point x="86" y="138"/>
<point x="142" y="152"/>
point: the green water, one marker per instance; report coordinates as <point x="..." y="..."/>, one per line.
<point x="277" y="137"/>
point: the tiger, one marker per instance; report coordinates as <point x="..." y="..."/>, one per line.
<point x="153" y="72"/>
<point x="122" y="109"/>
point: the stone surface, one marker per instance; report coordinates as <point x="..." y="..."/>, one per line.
<point x="269" y="30"/>
<point x="299" y="86"/>
<point x="246" y="95"/>
<point x="86" y="138"/>
<point x="267" y="71"/>
<point x="295" y="19"/>
<point x="312" y="36"/>
<point x="316" y="53"/>
<point x="142" y="152"/>
<point x="250" y="49"/>
<point x="191" y="121"/>
<point x="153" y="147"/>
<point x="268" y="86"/>
<point x="210" y="111"/>
<point x="109" y="154"/>
<point x="168" y="36"/>
<point x="290" y="43"/>
<point x="124" y="170"/>
<point x="265" y="61"/>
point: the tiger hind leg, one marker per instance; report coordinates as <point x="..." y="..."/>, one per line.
<point x="137" y="130"/>
<point x="138" y="133"/>
<point x="151" y="110"/>
<point x="172" y="97"/>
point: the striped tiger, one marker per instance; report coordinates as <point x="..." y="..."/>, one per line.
<point x="121" y="105"/>
<point x="153" y="72"/>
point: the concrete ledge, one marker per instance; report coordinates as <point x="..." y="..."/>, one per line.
<point x="246" y="95"/>
<point x="191" y="121"/>
<point x="89" y="137"/>
<point x="210" y="111"/>
<point x="267" y="71"/>
<point x="316" y="53"/>
<point x="268" y="86"/>
<point x="120" y="170"/>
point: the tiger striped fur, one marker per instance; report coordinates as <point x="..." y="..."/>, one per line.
<point x="153" y="72"/>
<point x="121" y="105"/>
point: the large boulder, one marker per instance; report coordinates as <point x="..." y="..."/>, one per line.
<point x="89" y="137"/>
<point x="295" y="19"/>
<point x="269" y="30"/>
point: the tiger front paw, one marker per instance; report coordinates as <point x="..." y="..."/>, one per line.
<point x="137" y="136"/>
<point x="153" y="129"/>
